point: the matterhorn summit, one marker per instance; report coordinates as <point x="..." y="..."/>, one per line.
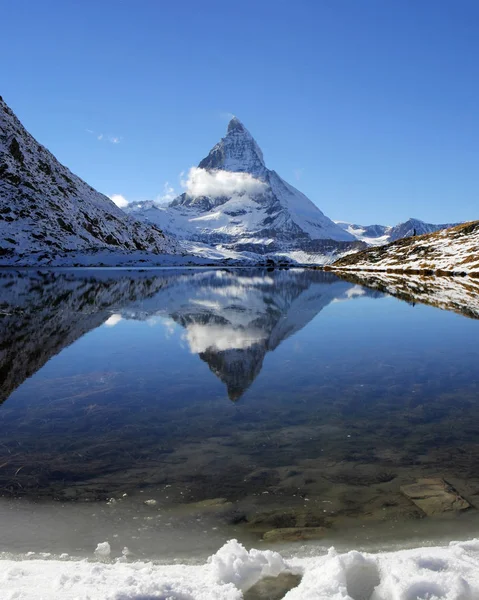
<point x="233" y="202"/>
<point x="237" y="152"/>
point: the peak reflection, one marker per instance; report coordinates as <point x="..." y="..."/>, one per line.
<point x="231" y="319"/>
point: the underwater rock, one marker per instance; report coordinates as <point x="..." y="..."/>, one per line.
<point x="434" y="496"/>
<point x="280" y="519"/>
<point x="210" y="503"/>
<point x="151" y="502"/>
<point x="295" y="534"/>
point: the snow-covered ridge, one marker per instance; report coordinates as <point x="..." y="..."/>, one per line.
<point x="454" y="250"/>
<point x="46" y="209"/>
<point x="233" y="573"/>
<point x="234" y="202"/>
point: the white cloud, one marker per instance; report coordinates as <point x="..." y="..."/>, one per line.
<point x="119" y="200"/>
<point x="298" y="173"/>
<point x="201" y="338"/>
<point x="216" y="184"/>
<point x="113" y="320"/>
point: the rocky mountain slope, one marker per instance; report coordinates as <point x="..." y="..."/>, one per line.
<point x="233" y="201"/>
<point x="453" y="250"/>
<point x="378" y="235"/>
<point x="45" y="209"/>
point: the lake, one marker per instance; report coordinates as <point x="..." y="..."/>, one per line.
<point x="170" y="410"/>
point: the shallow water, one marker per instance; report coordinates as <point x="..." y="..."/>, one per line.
<point x="295" y="397"/>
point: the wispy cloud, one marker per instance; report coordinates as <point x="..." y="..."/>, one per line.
<point x="105" y="137"/>
<point x="298" y="173"/>
<point x="169" y="193"/>
<point x="119" y="200"/>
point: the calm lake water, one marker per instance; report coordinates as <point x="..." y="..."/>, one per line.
<point x="233" y="401"/>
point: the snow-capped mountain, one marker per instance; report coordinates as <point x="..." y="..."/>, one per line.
<point x="233" y="201"/>
<point x="377" y="235"/>
<point x="45" y="209"/>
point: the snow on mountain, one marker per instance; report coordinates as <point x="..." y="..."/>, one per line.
<point x="377" y="235"/>
<point x="454" y="250"/>
<point x="373" y="235"/>
<point x="45" y="209"/>
<point x="233" y="201"/>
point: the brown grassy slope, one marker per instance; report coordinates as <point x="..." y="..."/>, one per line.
<point x="449" y="250"/>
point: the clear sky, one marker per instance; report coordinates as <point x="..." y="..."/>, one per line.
<point x="370" y="107"/>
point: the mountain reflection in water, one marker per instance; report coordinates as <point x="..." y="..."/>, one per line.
<point x="342" y="393"/>
<point x="231" y="319"/>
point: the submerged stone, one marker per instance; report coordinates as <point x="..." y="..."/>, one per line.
<point x="210" y="503"/>
<point x="295" y="534"/>
<point x="434" y="496"/>
<point x="150" y="502"/>
<point x="282" y="519"/>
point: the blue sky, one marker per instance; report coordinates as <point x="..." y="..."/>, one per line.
<point x="370" y="107"/>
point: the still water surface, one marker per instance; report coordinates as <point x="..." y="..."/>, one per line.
<point x="236" y="401"/>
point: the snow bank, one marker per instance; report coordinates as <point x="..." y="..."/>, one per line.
<point x="450" y="572"/>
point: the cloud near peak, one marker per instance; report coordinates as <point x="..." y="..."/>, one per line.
<point x="216" y="184"/>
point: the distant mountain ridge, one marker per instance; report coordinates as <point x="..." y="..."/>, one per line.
<point x="234" y="201"/>
<point x="377" y="235"/>
<point x="46" y="209"/>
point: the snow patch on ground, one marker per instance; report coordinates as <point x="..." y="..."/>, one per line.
<point x="450" y="572"/>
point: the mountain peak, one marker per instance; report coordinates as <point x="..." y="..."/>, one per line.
<point x="236" y="152"/>
<point x="236" y="125"/>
